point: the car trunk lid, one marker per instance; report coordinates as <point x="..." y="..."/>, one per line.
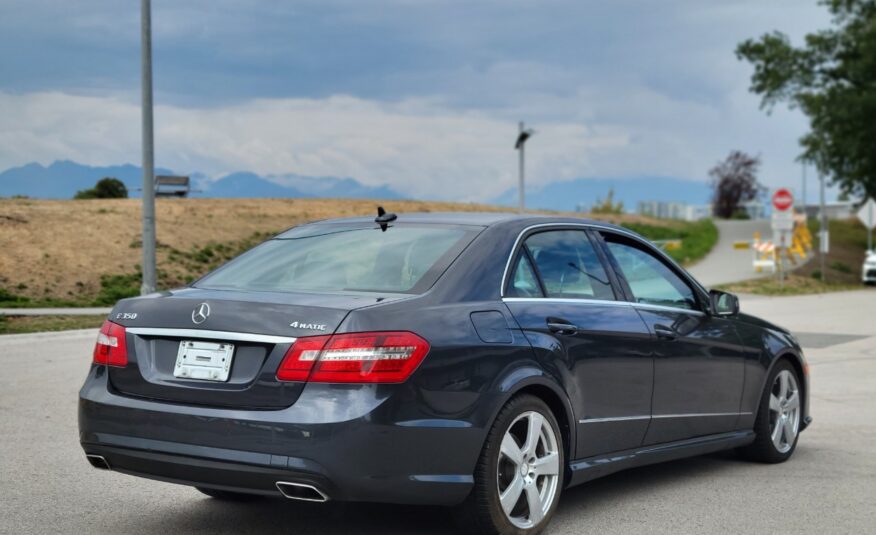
<point x="182" y="344"/>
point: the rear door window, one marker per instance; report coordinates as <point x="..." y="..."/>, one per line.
<point x="567" y="265"/>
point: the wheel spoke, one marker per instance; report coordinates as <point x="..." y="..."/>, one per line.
<point x="789" y="432"/>
<point x="549" y="465"/>
<point x="777" y="434"/>
<point x="533" y="499"/>
<point x="783" y="385"/>
<point x="511" y="495"/>
<point x="533" y="432"/>
<point x="511" y="450"/>
<point x="775" y="405"/>
<point x="793" y="402"/>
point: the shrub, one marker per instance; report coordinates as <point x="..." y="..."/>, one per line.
<point x="116" y="287"/>
<point x="106" y="188"/>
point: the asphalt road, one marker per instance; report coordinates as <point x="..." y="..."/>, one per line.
<point x="724" y="264"/>
<point x="828" y="486"/>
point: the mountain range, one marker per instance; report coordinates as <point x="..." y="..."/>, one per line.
<point x="582" y="193"/>
<point x="62" y="179"/>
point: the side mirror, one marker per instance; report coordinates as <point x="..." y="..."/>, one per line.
<point x="723" y="303"/>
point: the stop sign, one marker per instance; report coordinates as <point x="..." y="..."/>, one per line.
<point x="782" y="199"/>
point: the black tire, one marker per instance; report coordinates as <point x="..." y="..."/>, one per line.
<point x="482" y="511"/>
<point x="229" y="496"/>
<point x="763" y="449"/>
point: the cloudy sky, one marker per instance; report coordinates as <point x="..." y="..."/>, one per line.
<point x="422" y="95"/>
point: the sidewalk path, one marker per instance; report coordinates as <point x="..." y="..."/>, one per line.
<point x="724" y="264"/>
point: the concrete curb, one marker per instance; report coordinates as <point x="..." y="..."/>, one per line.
<point x="91" y="311"/>
<point x="29" y="337"/>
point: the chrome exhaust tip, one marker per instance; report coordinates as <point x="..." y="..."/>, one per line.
<point x="301" y="491"/>
<point x="98" y="461"/>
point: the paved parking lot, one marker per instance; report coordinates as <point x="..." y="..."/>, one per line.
<point x="829" y="486"/>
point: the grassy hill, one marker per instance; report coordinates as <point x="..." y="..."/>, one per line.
<point x="88" y="252"/>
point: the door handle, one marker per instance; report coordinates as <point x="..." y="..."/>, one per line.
<point x="664" y="332"/>
<point x="561" y="326"/>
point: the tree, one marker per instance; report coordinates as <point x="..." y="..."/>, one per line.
<point x="106" y="188"/>
<point x="608" y="206"/>
<point x="735" y="182"/>
<point x="832" y="79"/>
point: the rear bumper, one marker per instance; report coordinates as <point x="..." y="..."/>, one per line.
<point x="342" y="442"/>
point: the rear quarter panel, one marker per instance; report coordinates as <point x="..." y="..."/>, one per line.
<point x="463" y="381"/>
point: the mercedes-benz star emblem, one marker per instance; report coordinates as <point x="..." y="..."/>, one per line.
<point x="201" y="313"/>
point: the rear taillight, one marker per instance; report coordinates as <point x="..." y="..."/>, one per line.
<point x="111" y="348"/>
<point x="376" y="357"/>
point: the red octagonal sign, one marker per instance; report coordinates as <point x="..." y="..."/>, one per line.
<point x="782" y="199"/>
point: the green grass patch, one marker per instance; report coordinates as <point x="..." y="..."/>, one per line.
<point x="116" y="287"/>
<point x="697" y="237"/>
<point x="11" y="300"/>
<point x="35" y="324"/>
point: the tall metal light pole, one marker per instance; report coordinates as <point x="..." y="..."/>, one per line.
<point x="149" y="277"/>
<point x="803" y="193"/>
<point x="519" y="145"/>
<point x="823" y="234"/>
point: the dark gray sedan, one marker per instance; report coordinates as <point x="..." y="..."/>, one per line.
<point x="481" y="361"/>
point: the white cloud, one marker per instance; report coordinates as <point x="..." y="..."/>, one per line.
<point x="420" y="147"/>
<point x="416" y="146"/>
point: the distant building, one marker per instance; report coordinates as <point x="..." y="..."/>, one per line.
<point x="834" y="210"/>
<point x="673" y="210"/>
<point x="754" y="209"/>
<point x="172" y="186"/>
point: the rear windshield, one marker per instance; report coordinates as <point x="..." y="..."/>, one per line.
<point x="402" y="259"/>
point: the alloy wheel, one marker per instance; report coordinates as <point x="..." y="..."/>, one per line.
<point x="784" y="411"/>
<point x="528" y="470"/>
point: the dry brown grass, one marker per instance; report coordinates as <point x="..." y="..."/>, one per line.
<point x="60" y="249"/>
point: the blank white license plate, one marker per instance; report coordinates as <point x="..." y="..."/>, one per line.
<point x="207" y="361"/>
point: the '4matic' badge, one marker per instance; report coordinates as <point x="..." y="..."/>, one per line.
<point x="310" y="326"/>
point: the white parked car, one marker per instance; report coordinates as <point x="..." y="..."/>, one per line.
<point x="868" y="271"/>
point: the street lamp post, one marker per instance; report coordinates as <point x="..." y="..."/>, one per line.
<point x="149" y="272"/>
<point x="519" y="145"/>
<point x="803" y="192"/>
<point x="823" y="234"/>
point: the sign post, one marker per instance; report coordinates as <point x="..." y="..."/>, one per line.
<point x="783" y="226"/>
<point x="867" y="215"/>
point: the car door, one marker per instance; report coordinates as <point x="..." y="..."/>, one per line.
<point x="566" y="301"/>
<point x="698" y="357"/>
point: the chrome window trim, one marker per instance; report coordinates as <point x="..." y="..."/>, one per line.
<point x="585" y="226"/>
<point x="211" y="335"/>
<point x="581" y="301"/>
<point x="662" y="416"/>
<point x="649" y="306"/>
<point x="604" y="302"/>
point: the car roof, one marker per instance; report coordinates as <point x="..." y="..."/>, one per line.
<point x="481" y="219"/>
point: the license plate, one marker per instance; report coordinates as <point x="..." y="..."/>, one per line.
<point x="206" y="361"/>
